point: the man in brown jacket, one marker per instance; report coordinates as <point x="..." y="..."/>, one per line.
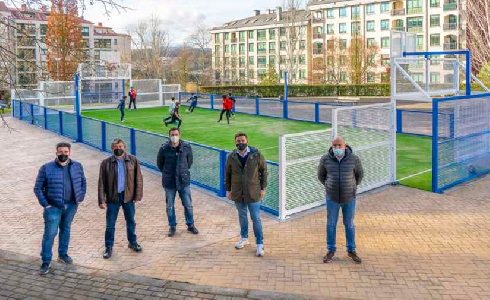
<point x="120" y="184"/>
<point x="246" y="181"/>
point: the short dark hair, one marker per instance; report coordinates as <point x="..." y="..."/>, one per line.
<point x="125" y="97"/>
<point x="239" y="134"/>
<point x="118" y="141"/>
<point x="63" y="145"/>
<point x="174" y="129"/>
<point x="173" y="98"/>
<point x="224" y="96"/>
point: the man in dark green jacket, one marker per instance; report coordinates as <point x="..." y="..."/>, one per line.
<point x="246" y="181"/>
<point x="340" y="171"/>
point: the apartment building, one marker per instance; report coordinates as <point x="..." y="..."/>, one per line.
<point x="243" y="51"/>
<point x="438" y="24"/>
<point x="26" y="39"/>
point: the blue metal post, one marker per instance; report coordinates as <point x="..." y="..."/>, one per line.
<point x="78" y="112"/>
<point x="60" y="114"/>
<point x="435" y="135"/>
<point x="317" y="112"/>
<point x="211" y="99"/>
<point x="180" y="96"/>
<point x="20" y="110"/>
<point x="257" y="106"/>
<point x="123" y="88"/>
<point x="32" y="113"/>
<point x="45" y="118"/>
<point x="132" y="136"/>
<point x="222" y="173"/>
<point x="285" y="114"/>
<point x="399" y="121"/>
<point x="286" y="86"/>
<point x="468" y="73"/>
<point x="12" y="112"/>
<point x="103" y="137"/>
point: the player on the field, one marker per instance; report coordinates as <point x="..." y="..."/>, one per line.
<point x="121" y="106"/>
<point x="227" y="106"/>
<point x="193" y="100"/>
<point x="174" y="117"/>
<point x="234" y="102"/>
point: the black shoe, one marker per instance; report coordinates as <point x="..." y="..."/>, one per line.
<point x="171" y="231"/>
<point x="328" y="258"/>
<point x="355" y="258"/>
<point x="135" y="247"/>
<point x="192" y="229"/>
<point x="44" y="269"/>
<point x="107" y="253"/>
<point x="65" y="259"/>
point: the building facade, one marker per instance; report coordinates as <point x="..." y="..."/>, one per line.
<point x="26" y="40"/>
<point x="438" y="24"/>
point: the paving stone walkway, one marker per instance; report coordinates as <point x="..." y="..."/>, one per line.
<point x="414" y="244"/>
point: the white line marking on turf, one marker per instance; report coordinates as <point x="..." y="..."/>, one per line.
<point x="416" y="174"/>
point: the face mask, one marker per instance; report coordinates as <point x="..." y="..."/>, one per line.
<point x="241" y="146"/>
<point x="62" y="158"/>
<point x="118" y="152"/>
<point x="174" y="139"/>
<point x="338" y="152"/>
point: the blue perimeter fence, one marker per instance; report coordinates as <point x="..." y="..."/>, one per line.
<point x="207" y="172"/>
<point x="413" y="122"/>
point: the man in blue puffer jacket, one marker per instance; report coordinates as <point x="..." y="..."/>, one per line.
<point x="60" y="187"/>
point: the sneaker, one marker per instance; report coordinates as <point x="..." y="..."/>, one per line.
<point x="44" y="268"/>
<point x="242" y="243"/>
<point x="65" y="259"/>
<point x="122" y="121"/>
<point x="107" y="253"/>
<point x="355" y="258"/>
<point x="328" y="258"/>
<point x="260" y="250"/>
<point x="171" y="231"/>
<point x="192" y="229"/>
<point x="219" y="121"/>
<point x="135" y="247"/>
<point x="166" y="125"/>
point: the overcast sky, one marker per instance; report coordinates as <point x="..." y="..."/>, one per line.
<point x="179" y="16"/>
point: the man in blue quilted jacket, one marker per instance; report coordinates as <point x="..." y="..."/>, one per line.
<point x="60" y="187"/>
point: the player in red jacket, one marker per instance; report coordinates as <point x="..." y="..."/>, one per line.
<point x="227" y="106"/>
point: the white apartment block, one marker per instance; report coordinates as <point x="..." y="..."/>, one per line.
<point x="438" y="24"/>
<point x="27" y="38"/>
<point x="244" y="50"/>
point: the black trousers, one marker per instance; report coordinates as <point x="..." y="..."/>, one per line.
<point x="172" y="120"/>
<point x="228" y="112"/>
<point x="134" y="103"/>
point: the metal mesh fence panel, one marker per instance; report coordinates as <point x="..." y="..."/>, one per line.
<point x="420" y="122"/>
<point x="271" y="199"/>
<point x="148" y="90"/>
<point x="100" y="92"/>
<point x="369" y="131"/>
<point x="299" y="159"/>
<point x="16" y="109"/>
<point x="91" y="70"/>
<point x="117" y="132"/>
<point x="147" y="146"/>
<point x="38" y="115"/>
<point x="69" y="125"/>
<point x="326" y="113"/>
<point x="301" y="111"/>
<point x="169" y="91"/>
<point x="26" y="114"/>
<point x="92" y="132"/>
<point x="58" y="93"/>
<point x="466" y="154"/>
<point x="246" y="105"/>
<point x="203" y="101"/>
<point x="206" y="168"/>
<point x="271" y="108"/>
<point x="53" y="120"/>
<point x="26" y="96"/>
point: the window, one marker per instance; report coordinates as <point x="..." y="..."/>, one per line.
<point x="85" y="31"/>
<point x="272" y="61"/>
<point x="355" y="28"/>
<point x="385" y="7"/>
<point x="261" y="47"/>
<point x="261" y="73"/>
<point x="251" y="74"/>
<point x="241" y="48"/>
<point x="385" y="24"/>
<point x="330" y="29"/>
<point x="435" y="20"/>
<point x="385" y="59"/>
<point x="370" y="9"/>
<point x="343" y="76"/>
<point x="115" y="42"/>
<point x="418" y="77"/>
<point x="241" y="74"/>
<point x="420" y="41"/>
<point x="342" y="28"/>
<point x="434" y="77"/>
<point x="370" y="41"/>
<point x="370" y="26"/>
<point x="414" y="22"/>
<point x="216" y="37"/>
<point x="302" y="59"/>
<point x="302" y="44"/>
<point x="242" y="61"/>
<point x="227" y="48"/>
<point x="227" y="36"/>
<point x="251" y="47"/>
<point x="241" y="35"/>
<point x="342" y="12"/>
<point x="250" y="34"/>
<point x="272" y="47"/>
<point x="282" y="59"/>
<point x="435" y="3"/>
<point x="261" y="61"/>
<point x="282" y="45"/>
<point x="385" y="42"/>
<point x="272" y="33"/>
<point x="302" y="30"/>
<point x="435" y="39"/>
<point x="282" y="31"/>
<point x="233" y="49"/>
<point x="302" y="74"/>
<point x="261" y="35"/>
<point x="43" y="28"/>
<point x="343" y="44"/>
<point x="355" y="11"/>
<point x="371" y="59"/>
<point x="414" y="6"/>
<point x="371" y="77"/>
<point x="330" y="13"/>
<point x="227" y="61"/>
<point x="251" y="60"/>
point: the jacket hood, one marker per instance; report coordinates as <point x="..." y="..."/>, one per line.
<point x="348" y="152"/>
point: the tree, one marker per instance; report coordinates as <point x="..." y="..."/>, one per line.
<point x="478" y="32"/>
<point x="64" y="40"/>
<point x="336" y="64"/>
<point x="183" y="65"/>
<point x="271" y="77"/>
<point x="362" y="59"/>
<point x="151" y="43"/>
<point x="201" y="40"/>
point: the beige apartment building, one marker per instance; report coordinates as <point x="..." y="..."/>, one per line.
<point x="26" y="39"/>
<point x="438" y="24"/>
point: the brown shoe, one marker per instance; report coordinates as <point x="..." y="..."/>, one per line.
<point x="328" y="258"/>
<point x="355" y="258"/>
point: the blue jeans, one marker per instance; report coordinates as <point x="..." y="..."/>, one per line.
<point x="193" y="106"/>
<point x="254" y="209"/>
<point x="348" y="212"/>
<point x="185" y="196"/>
<point x="55" y="218"/>
<point x="111" y="218"/>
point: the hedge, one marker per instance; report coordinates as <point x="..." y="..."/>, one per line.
<point x="325" y="90"/>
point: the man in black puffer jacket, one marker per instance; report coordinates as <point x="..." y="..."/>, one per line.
<point x="340" y="171"/>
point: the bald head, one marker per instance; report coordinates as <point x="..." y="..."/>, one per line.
<point x="338" y="143"/>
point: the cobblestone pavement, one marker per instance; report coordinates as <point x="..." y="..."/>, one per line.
<point x="414" y="244"/>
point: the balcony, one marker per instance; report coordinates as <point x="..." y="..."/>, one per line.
<point x="400" y="28"/>
<point x="261" y="51"/>
<point x="450" y="6"/>
<point x="450" y="26"/>
<point x="261" y="38"/>
<point x="330" y="32"/>
<point x="415" y="29"/>
<point x="318" y="35"/>
<point x="355" y="16"/>
<point x="317" y="51"/>
<point x="318" y="20"/>
<point x="233" y="40"/>
<point x="420" y="47"/>
<point x="450" y="46"/>
<point x="398" y="12"/>
<point x="435" y="5"/>
<point x="415" y="10"/>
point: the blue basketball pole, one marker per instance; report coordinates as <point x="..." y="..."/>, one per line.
<point x="285" y="100"/>
<point x="78" y="109"/>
